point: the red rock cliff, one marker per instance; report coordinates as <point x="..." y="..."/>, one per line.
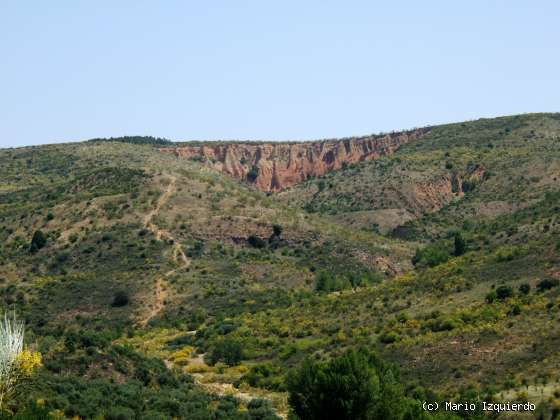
<point x="275" y="166"/>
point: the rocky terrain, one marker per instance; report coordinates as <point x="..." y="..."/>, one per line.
<point x="276" y="166"/>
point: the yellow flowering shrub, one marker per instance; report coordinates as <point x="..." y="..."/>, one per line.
<point x="28" y="361"/>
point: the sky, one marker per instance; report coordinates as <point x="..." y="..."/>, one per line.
<point x="71" y="70"/>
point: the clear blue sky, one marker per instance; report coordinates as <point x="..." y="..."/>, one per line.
<point x="73" y="70"/>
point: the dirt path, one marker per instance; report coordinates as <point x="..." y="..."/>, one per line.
<point x="178" y="254"/>
<point x="222" y="389"/>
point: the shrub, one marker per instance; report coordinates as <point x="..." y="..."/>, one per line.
<point x="491" y="296"/>
<point x="228" y="351"/>
<point x="326" y="281"/>
<point x="256" y="242"/>
<point x="547" y="284"/>
<point x="525" y="288"/>
<point x="504" y="292"/>
<point x="38" y="241"/>
<point x="277" y="230"/>
<point x="120" y="299"/>
<point x="459" y="245"/>
<point x="515" y="310"/>
<point x="253" y="174"/>
<point x="506" y="253"/>
<point x="430" y="256"/>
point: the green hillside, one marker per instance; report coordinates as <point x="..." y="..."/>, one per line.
<point x="155" y="287"/>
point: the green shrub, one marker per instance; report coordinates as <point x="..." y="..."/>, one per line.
<point x="430" y="256"/>
<point x="547" y="284"/>
<point x="277" y="230"/>
<point x="504" y="292"/>
<point x="460" y="245"/>
<point x="120" y="299"/>
<point x="525" y="288"/>
<point x="356" y="385"/>
<point x="228" y="351"/>
<point x="256" y="242"/>
<point x="38" y="241"/>
<point x="491" y="296"/>
<point x="253" y="174"/>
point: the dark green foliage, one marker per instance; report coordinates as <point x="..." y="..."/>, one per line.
<point x="136" y="140"/>
<point x="515" y="310"/>
<point x="430" y="256"/>
<point x="264" y="376"/>
<point x="228" y="351"/>
<point x="525" y="288"/>
<point x="460" y="245"/>
<point x="276" y="230"/>
<point x="253" y="174"/>
<point x="491" y="296"/>
<point x="38" y="241"/>
<point x="120" y="299"/>
<point x="356" y="385"/>
<point x="256" y="242"/>
<point x="504" y="292"/>
<point x="547" y="284"/>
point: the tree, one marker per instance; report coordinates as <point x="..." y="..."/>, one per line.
<point x="228" y="351"/>
<point x="253" y="174"/>
<point x="503" y="292"/>
<point x="38" y="241"/>
<point x="460" y="245"/>
<point x="356" y="385"/>
<point x="120" y="299"/>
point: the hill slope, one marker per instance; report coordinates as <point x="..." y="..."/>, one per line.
<point x="153" y="273"/>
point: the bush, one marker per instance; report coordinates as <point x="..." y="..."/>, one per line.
<point x="253" y="174"/>
<point x="277" y="230"/>
<point x="491" y="296"/>
<point x="547" y="284"/>
<point x="525" y="288"/>
<point x="228" y="351"/>
<point x="256" y="242"/>
<point x="120" y="299"/>
<point x="38" y="241"/>
<point x="430" y="256"/>
<point x="326" y="281"/>
<point x="459" y="245"/>
<point x="504" y="292"/>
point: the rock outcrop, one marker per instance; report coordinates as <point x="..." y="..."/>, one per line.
<point x="276" y="166"/>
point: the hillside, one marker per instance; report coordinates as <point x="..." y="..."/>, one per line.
<point x="165" y="276"/>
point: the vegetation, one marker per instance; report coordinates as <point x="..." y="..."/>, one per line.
<point x="356" y="385"/>
<point x="154" y="288"/>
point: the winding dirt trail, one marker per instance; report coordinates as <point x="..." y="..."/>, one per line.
<point x="160" y="294"/>
<point x="178" y="254"/>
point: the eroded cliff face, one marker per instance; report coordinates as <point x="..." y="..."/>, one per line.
<point x="276" y="166"/>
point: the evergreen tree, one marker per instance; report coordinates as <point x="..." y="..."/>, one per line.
<point x="460" y="245"/>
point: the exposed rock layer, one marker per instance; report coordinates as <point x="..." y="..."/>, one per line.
<point x="275" y="166"/>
